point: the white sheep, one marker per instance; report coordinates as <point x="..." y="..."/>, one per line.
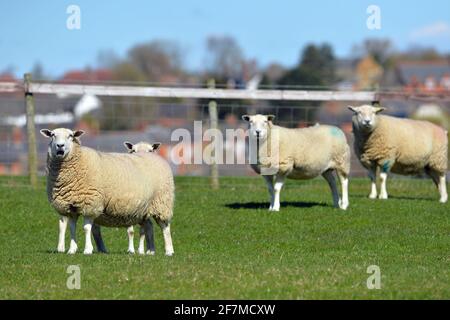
<point x="108" y="189"/>
<point x="299" y="154"/>
<point x="401" y="146"/>
<point x="146" y="229"/>
<point x="141" y="146"/>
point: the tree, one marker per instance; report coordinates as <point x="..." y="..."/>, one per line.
<point x="316" y="68"/>
<point x="321" y="59"/>
<point x="125" y="71"/>
<point x="422" y="53"/>
<point x="381" y="50"/>
<point x="157" y="60"/>
<point x="272" y="74"/>
<point x="116" y="110"/>
<point x="38" y="71"/>
<point x="224" y="58"/>
<point x="107" y="59"/>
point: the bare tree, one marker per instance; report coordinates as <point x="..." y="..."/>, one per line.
<point x="224" y="57"/>
<point x="380" y="49"/>
<point x="157" y="60"/>
<point x="274" y="72"/>
<point x="38" y="72"/>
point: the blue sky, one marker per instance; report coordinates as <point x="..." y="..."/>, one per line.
<point x="267" y="30"/>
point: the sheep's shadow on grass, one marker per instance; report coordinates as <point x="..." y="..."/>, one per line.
<point x="265" y="205"/>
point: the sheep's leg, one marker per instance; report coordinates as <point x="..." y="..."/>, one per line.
<point x="343" y="178"/>
<point x="383" y="190"/>
<point x="165" y="227"/>
<point x="442" y="189"/>
<point x="141" y="239"/>
<point x="373" y="183"/>
<point x="130" y="232"/>
<point x="269" y="182"/>
<point x="73" y="235"/>
<point x="148" y="227"/>
<point x="439" y="181"/>
<point x="87" y="227"/>
<point x="146" y="233"/>
<point x="96" y="232"/>
<point x="279" y="181"/>
<point x="62" y="233"/>
<point x="328" y="175"/>
<point x="434" y="176"/>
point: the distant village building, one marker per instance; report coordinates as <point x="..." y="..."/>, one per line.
<point x="445" y="82"/>
<point x="420" y="76"/>
<point x="88" y="75"/>
<point x="368" y="74"/>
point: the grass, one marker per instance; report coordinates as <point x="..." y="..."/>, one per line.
<point x="229" y="246"/>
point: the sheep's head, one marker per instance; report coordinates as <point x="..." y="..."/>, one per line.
<point x="141" y="147"/>
<point x="61" y="141"/>
<point x="365" y="116"/>
<point x="260" y="124"/>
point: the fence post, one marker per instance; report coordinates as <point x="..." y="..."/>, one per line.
<point x="31" y="132"/>
<point x="213" y="119"/>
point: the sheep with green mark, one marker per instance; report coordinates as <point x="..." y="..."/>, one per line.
<point x="386" y="166"/>
<point x="402" y="146"/>
<point x="301" y="153"/>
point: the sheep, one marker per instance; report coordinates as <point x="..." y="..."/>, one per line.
<point x="141" y="146"/>
<point x="146" y="229"/>
<point x="107" y="189"/>
<point x="299" y="154"/>
<point x="401" y="146"/>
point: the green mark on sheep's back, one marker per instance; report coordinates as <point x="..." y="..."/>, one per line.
<point x="336" y="132"/>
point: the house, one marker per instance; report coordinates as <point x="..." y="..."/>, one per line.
<point x="368" y="74"/>
<point x="87" y="75"/>
<point x="420" y="76"/>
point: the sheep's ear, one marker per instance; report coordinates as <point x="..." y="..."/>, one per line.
<point x="379" y="109"/>
<point x="78" y="133"/>
<point x="46" y="133"/>
<point x="156" y="146"/>
<point x="270" y="117"/>
<point x="246" y="117"/>
<point x="354" y="109"/>
<point x="128" y="145"/>
<point x="377" y="106"/>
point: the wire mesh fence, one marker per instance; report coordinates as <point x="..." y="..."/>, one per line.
<point x="111" y="120"/>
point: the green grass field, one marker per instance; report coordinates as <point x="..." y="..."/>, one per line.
<point x="229" y="246"/>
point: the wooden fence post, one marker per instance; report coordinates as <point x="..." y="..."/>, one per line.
<point x="213" y="118"/>
<point x="31" y="132"/>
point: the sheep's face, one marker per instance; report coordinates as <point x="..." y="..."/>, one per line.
<point x="259" y="124"/>
<point x="61" y="142"/>
<point x="365" y="116"/>
<point x="141" y="147"/>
